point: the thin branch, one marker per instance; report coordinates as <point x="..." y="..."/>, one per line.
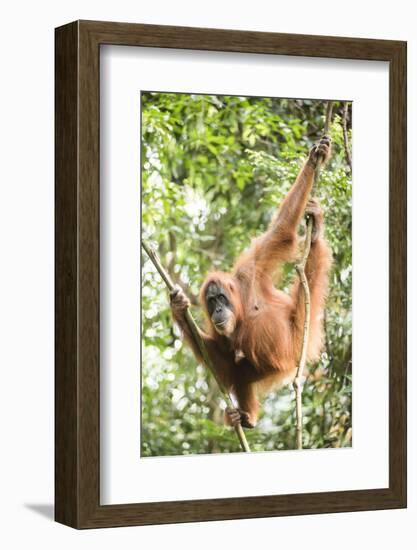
<point x="328" y="119"/>
<point x="345" y="135"/>
<point x="326" y="130"/>
<point x="326" y="334"/>
<point x="300" y="267"/>
<point x="198" y="340"/>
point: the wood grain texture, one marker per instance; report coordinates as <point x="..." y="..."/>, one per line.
<point x="77" y="404"/>
<point x="398" y="274"/>
<point x="66" y="237"/>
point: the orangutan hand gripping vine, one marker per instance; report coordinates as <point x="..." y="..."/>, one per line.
<point x="254" y="331"/>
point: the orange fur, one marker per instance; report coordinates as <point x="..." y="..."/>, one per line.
<point x="268" y="323"/>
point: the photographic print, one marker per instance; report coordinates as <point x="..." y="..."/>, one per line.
<point x="228" y="184"/>
<point x="204" y="274"/>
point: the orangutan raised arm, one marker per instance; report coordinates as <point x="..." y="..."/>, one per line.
<point x="254" y="331"/>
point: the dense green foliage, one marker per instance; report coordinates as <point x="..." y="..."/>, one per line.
<point x="214" y="170"/>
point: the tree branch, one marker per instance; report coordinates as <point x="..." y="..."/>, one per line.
<point x="300" y="267"/>
<point x="345" y="135"/>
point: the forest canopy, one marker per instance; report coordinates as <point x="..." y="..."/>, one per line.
<point x="214" y="170"/>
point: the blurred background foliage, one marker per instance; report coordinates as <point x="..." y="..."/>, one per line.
<point x="214" y="170"/>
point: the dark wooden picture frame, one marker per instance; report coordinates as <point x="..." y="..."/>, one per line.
<point x="77" y="372"/>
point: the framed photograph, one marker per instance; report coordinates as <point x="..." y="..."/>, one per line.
<point x="230" y="274"/>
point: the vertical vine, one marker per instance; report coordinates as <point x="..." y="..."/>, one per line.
<point x="300" y="267"/>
